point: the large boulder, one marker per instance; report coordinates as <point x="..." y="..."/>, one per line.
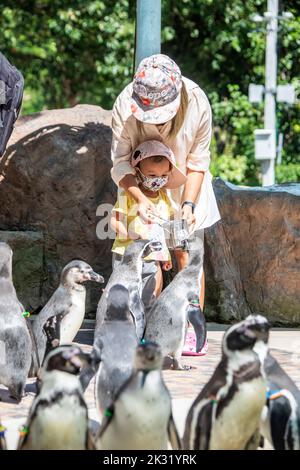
<point x="55" y="188"/>
<point x="253" y="254"/>
<point x="54" y="175"/>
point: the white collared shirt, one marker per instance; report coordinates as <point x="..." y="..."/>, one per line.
<point x="190" y="147"/>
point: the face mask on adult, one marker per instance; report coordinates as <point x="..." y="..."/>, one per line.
<point x="153" y="183"/>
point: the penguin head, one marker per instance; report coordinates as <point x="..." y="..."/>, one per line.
<point x="6" y="255"/>
<point x="150" y="247"/>
<point x="140" y="248"/>
<point x="77" y="272"/>
<point x="148" y="356"/>
<point x="244" y="335"/>
<point x="259" y="325"/>
<point x="66" y="358"/>
<point x="118" y="303"/>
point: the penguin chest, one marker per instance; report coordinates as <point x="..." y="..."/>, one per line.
<point x="61" y="426"/>
<point x="240" y="417"/>
<point x="140" y="421"/>
<point x="73" y="320"/>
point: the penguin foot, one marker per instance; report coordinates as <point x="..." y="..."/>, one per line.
<point x="178" y="366"/>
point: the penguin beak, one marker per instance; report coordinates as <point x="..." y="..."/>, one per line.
<point x="81" y="360"/>
<point x="96" y="277"/>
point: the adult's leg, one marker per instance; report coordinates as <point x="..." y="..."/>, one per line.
<point x="182" y="259"/>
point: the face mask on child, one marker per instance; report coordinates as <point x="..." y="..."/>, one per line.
<point x="153" y="183"/>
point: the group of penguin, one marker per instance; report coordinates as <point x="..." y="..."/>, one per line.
<point x="248" y="398"/>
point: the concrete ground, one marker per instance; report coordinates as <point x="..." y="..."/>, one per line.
<point x="184" y="386"/>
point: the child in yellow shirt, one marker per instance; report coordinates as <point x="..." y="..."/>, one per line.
<point x="156" y="171"/>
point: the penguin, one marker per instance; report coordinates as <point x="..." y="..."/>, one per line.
<point x="167" y="320"/>
<point x="280" y="418"/>
<point x="114" y="345"/>
<point x="3" y="445"/>
<point x="15" y="340"/>
<point x="58" y="417"/>
<point x="129" y="274"/>
<point x="226" y="413"/>
<point x="140" y="416"/>
<point x="68" y="300"/>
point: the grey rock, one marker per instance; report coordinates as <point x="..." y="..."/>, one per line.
<point x="252" y="254"/>
<point x="28" y="249"/>
<point x="53" y="176"/>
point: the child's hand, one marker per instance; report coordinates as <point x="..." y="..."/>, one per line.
<point x="166" y="265"/>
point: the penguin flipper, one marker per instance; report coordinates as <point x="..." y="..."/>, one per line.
<point x="196" y="317"/>
<point x="137" y="311"/>
<point x="108" y="416"/>
<point x="87" y="373"/>
<point x="148" y="297"/>
<point x="173" y="435"/>
<point x="90" y="443"/>
<point x="198" y="437"/>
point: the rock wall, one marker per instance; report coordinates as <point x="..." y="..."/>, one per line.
<point x="56" y="172"/>
<point x="253" y="254"/>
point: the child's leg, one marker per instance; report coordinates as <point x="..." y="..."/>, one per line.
<point x="182" y="258"/>
<point x="159" y="280"/>
<point x="202" y="291"/>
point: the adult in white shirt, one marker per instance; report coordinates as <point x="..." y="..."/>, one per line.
<point x="163" y="105"/>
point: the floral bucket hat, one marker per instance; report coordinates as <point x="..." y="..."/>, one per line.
<point x="156" y="90"/>
<point x="151" y="148"/>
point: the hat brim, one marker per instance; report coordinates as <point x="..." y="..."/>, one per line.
<point x="176" y="179"/>
<point x="158" y="115"/>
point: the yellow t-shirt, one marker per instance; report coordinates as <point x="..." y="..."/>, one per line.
<point x="127" y="205"/>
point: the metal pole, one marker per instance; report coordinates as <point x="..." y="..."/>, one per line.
<point x="148" y="28"/>
<point x="268" y="166"/>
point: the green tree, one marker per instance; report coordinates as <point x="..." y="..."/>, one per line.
<point x="82" y="51"/>
<point x="70" y="51"/>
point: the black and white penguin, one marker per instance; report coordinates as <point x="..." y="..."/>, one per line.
<point x="3" y="445"/>
<point x="51" y="330"/>
<point x="280" y="419"/>
<point x="15" y="340"/>
<point x="167" y="320"/>
<point x="226" y="413"/>
<point x="140" y="417"/>
<point x="114" y="345"/>
<point x="58" y="418"/>
<point x="129" y="274"/>
<point x="68" y="300"/>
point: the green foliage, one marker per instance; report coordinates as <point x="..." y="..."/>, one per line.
<point x="286" y="173"/>
<point x="81" y="51"/>
<point x="70" y="51"/>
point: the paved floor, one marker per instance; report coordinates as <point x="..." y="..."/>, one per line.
<point x="183" y="385"/>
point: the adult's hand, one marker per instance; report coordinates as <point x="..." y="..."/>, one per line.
<point x="187" y="214"/>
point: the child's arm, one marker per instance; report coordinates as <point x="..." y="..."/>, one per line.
<point x="116" y="223"/>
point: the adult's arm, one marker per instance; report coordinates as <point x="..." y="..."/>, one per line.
<point x="198" y="160"/>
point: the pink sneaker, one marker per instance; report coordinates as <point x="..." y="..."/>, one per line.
<point x="189" y="348"/>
